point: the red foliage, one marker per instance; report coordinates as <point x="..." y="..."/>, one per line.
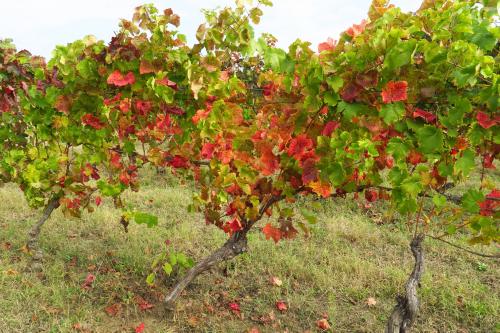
<point x="167" y="83"/>
<point x="395" y="91"/>
<point x="350" y="92"/>
<point x="235" y="307"/>
<point x="200" y="114"/>
<point x="491" y="204"/>
<point x="356" y="29"/>
<point x="272" y="232"/>
<point x="299" y="145"/>
<point x="118" y="79"/>
<point x="415" y="157"/>
<point x="488" y="161"/>
<point x="427" y="116"/>
<point x="329" y="128"/>
<point x="371" y="195"/>
<point x="207" y="150"/>
<point x="92" y="121"/>
<point x="485" y="121"/>
<point x="327" y="46"/>
<point x="178" y="162"/>
<point x="143" y="107"/>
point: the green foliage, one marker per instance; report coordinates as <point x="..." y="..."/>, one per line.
<point x="409" y="100"/>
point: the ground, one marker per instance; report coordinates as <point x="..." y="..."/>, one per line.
<point x="348" y="270"/>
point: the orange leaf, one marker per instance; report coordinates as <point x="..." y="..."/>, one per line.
<point x="272" y="232"/>
<point x="321" y="188"/>
<point x="323" y="324"/>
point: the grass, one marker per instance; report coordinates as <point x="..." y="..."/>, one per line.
<point x="346" y="260"/>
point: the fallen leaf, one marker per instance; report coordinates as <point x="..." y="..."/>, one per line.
<point x="140" y="328"/>
<point x="7" y="246"/>
<point x="88" y="281"/>
<point x="235" y="307"/>
<point x="371" y="301"/>
<point x="142" y="303"/>
<point x="193" y="321"/>
<point x="25" y="249"/>
<point x="11" y="271"/>
<point x="280" y="305"/>
<point x="113" y="309"/>
<point x="275" y="281"/>
<point x="323" y="324"/>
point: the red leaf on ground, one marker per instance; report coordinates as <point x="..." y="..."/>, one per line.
<point x="87" y="283"/>
<point x="142" y="303"/>
<point x="118" y="79"/>
<point x="395" y="91"/>
<point x="113" y="309"/>
<point x="98" y="200"/>
<point x="140" y="328"/>
<point x="323" y="324"/>
<point x="235" y="307"/>
<point x="280" y="305"/>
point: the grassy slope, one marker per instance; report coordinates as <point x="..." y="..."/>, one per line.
<point x="346" y="260"/>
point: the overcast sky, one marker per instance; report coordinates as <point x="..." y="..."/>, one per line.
<point x="40" y="25"/>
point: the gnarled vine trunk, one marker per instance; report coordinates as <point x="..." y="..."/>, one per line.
<point x="405" y="312"/>
<point x="234" y="246"/>
<point x="34" y="235"/>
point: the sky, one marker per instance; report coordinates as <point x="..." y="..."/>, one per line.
<point x="40" y="25"/>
